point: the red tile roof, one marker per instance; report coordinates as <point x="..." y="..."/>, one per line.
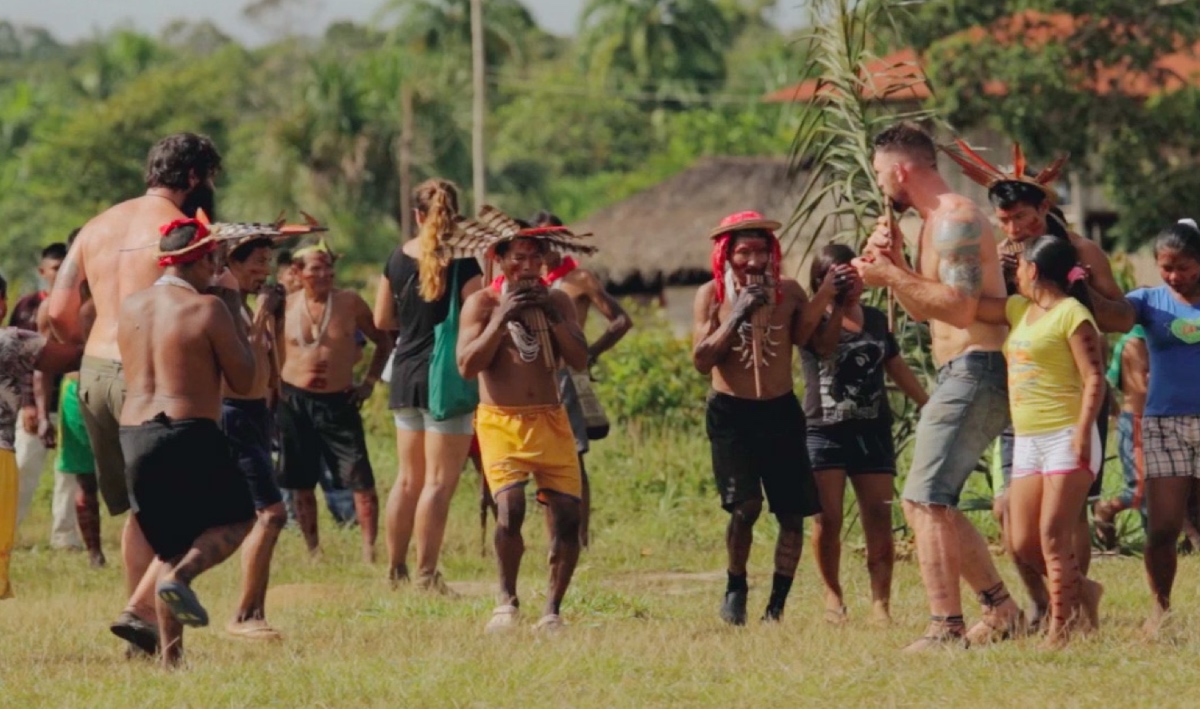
<point x="899" y="76"/>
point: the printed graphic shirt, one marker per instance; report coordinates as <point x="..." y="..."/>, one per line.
<point x="19" y="351"/>
<point x="1045" y="388"/>
<point x="1173" y="338"/>
<point x="849" y="385"/>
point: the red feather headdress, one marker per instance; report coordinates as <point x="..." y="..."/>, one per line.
<point x="982" y="172"/>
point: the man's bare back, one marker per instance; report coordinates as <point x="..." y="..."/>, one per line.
<point x="176" y="345"/>
<point x="323" y="361"/>
<point x="506" y="379"/>
<point x="114" y="253"/>
<point x="731" y="373"/>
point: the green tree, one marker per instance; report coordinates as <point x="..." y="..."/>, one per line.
<point x="1071" y="94"/>
<point x="444" y="26"/>
<point x="662" y="47"/>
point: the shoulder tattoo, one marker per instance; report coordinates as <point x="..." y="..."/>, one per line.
<point x="957" y="241"/>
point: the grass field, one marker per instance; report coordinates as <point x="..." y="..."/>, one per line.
<point x="642" y="613"/>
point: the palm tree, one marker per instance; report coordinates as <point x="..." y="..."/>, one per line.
<point x="660" y="46"/>
<point x="444" y="26"/>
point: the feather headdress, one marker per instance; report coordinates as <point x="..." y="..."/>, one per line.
<point x="979" y="170"/>
<point x="479" y="236"/>
<point x="239" y="233"/>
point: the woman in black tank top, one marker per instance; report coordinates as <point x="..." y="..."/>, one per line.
<point x="414" y="297"/>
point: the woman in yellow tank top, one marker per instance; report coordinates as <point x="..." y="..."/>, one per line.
<point x="1055" y="388"/>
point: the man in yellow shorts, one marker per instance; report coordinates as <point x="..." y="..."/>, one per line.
<point x="512" y="336"/>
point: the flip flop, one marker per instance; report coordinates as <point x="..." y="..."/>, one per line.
<point x="183" y="603"/>
<point x="550" y="623"/>
<point x="253" y="630"/>
<point x="140" y="634"/>
<point x="504" y="619"/>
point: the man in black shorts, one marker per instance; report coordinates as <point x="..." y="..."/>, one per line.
<point x="319" y="419"/>
<point x="190" y="499"/>
<point x="246" y="419"/>
<point x="748" y="321"/>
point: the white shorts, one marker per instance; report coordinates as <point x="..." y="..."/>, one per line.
<point x="1051" y="454"/>
<point x="412" y="419"/>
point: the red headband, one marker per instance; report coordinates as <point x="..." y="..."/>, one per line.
<point x="186" y="257"/>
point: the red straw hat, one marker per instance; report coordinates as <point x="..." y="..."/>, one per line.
<point x="744" y="221"/>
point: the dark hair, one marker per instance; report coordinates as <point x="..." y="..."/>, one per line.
<point x="283" y="258"/>
<point x="1181" y="237"/>
<point x="830" y="256"/>
<point x="177" y="238"/>
<point x="1055" y="258"/>
<point x="241" y="253"/>
<point x="56" y="251"/>
<point x="909" y="138"/>
<point x="3" y="287"/>
<point x="71" y="237"/>
<point x="545" y="218"/>
<point x="1010" y="193"/>
<point x="174" y="160"/>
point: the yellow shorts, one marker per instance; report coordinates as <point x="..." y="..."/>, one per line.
<point x="517" y="442"/>
<point x="8" y="516"/>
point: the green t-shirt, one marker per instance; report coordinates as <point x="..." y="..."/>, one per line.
<point x="1114" y="367"/>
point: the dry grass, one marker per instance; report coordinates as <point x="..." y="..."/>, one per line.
<point x="643" y="627"/>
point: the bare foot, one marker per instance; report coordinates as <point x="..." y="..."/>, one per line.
<point x="255" y="629"/>
<point x="315" y="555"/>
<point x="368" y="554"/>
<point x="1089" y="604"/>
<point x="881" y="613"/>
<point x="835" y="609"/>
<point x="1158" y="622"/>
<point x="96" y="559"/>
<point x="1058" y="635"/>
<point x="938" y="636"/>
<point x="1003" y="622"/>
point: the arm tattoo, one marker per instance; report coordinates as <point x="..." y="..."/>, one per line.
<point x="956" y="238"/>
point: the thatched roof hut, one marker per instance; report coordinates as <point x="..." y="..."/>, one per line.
<point x="658" y="237"/>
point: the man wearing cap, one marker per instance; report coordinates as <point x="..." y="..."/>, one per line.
<point x="110" y="254"/>
<point x="190" y="499"/>
<point x="747" y="323"/>
<point x="319" y="415"/>
<point x="246" y="420"/>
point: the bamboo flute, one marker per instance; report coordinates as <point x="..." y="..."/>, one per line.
<point x="759" y="322"/>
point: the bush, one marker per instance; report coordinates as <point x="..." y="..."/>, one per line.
<point x="649" y="378"/>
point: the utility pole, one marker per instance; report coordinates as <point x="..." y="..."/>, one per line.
<point x="478" y="149"/>
<point x="406" y="143"/>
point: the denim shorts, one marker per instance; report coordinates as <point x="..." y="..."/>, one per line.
<point x="413" y="419"/>
<point x="965" y="413"/>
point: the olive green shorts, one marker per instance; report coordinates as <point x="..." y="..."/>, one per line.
<point x="101" y="396"/>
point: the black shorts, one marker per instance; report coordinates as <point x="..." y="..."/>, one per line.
<point x="856" y="447"/>
<point x="316" y="428"/>
<point x="182" y="481"/>
<point x="247" y="424"/>
<point x="759" y="446"/>
<point x="1008" y="439"/>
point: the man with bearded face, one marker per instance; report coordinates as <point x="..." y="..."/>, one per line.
<point x="748" y="321"/>
<point x="957" y="264"/>
<point x="110" y="254"/>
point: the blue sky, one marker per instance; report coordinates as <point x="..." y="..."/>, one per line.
<point x="72" y="19"/>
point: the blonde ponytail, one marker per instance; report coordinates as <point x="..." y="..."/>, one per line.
<point x="437" y="200"/>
